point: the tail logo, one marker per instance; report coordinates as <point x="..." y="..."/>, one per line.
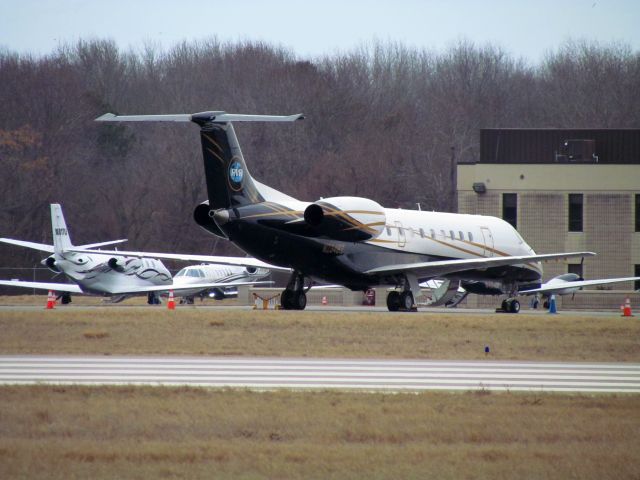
<point x="236" y="174"/>
<point x="61" y="231"/>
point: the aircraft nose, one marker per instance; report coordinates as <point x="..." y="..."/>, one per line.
<point x="221" y="216"/>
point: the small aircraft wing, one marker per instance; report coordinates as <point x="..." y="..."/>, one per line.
<point x="237" y="261"/>
<point x="56" y="287"/>
<point x="445" y="267"/>
<point x="177" y="289"/>
<point x="557" y="287"/>
<point x="22" y="243"/>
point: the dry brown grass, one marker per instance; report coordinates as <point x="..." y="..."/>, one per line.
<point x="192" y="331"/>
<point x="122" y="432"/>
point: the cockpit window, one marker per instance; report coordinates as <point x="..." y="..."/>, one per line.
<point x="182" y="273"/>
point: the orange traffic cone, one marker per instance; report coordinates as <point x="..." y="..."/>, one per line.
<point x="324" y="300"/>
<point x="626" y="309"/>
<point x="171" y="303"/>
<point x="51" y="300"/>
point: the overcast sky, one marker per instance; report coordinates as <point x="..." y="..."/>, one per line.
<point x="523" y="28"/>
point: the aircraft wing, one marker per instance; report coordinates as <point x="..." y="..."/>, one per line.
<point x="56" y="287"/>
<point x="177" y="289"/>
<point x="22" y="243"/>
<point x="102" y="244"/>
<point x="445" y="267"/>
<point x="237" y="261"/>
<point x="557" y="287"/>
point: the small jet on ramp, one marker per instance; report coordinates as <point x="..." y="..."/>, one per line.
<point x="113" y="274"/>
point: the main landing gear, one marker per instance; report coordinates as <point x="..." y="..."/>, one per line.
<point x="400" y="301"/>
<point x="294" y="296"/>
<point x="153" y="298"/>
<point x="65" y="298"/>
<point x="404" y="300"/>
<point x="509" y="305"/>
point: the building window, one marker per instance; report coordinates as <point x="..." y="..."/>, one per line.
<point x="636" y="284"/>
<point x="575" y="212"/>
<point x="510" y="208"/>
<point x="575" y="268"/>
<point x="637" y="212"/>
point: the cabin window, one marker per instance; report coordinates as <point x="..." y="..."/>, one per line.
<point x="575" y="212"/>
<point x="452" y="235"/>
<point x="422" y="233"/>
<point x="470" y="236"/>
<point x="510" y="208"/>
<point x="433" y="233"/>
<point x="461" y="235"/>
<point x="389" y="231"/>
<point x="444" y="235"/>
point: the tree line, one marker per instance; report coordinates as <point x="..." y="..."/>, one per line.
<point x="383" y="121"/>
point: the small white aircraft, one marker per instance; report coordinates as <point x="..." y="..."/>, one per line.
<point x="119" y="276"/>
<point x="227" y="274"/>
<point x="565" y="284"/>
<point x="353" y="241"/>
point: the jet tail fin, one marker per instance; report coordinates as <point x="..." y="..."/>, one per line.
<point x="61" y="239"/>
<point x="229" y="183"/>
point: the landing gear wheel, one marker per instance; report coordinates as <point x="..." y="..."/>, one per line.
<point x="514" y="306"/>
<point x="505" y="305"/>
<point x="406" y="301"/>
<point x="66" y="299"/>
<point x="299" y="300"/>
<point x="393" y="301"/>
<point x="152" y="299"/>
<point x="285" y="300"/>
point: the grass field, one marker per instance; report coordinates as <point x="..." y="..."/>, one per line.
<point x="192" y="331"/>
<point x="126" y="432"/>
<point x="123" y="432"/>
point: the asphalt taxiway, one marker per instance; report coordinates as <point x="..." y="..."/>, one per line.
<point x="320" y="374"/>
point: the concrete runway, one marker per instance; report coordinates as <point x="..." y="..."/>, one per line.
<point x="320" y="374"/>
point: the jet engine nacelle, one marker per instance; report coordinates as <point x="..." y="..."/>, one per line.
<point x="116" y="264"/>
<point x="203" y="216"/>
<point x="50" y="262"/>
<point x="346" y="218"/>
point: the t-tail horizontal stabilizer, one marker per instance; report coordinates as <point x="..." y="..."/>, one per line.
<point x="200" y="118"/>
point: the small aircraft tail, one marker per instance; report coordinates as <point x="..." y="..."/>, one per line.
<point x="61" y="239"/>
<point x="229" y="183"/>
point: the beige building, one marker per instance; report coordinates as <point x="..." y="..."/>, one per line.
<point x="565" y="191"/>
